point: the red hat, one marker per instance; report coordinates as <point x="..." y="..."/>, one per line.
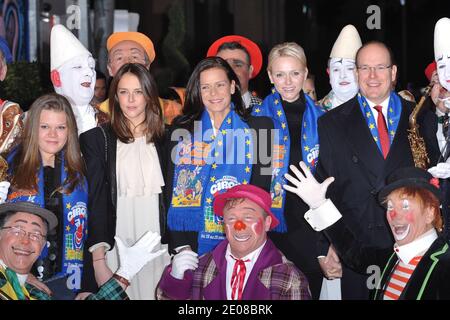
<point x="252" y="48"/>
<point x="247" y="191"/>
<point x="430" y="69"/>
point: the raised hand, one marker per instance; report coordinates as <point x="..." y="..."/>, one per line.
<point x="306" y="186"/>
<point x="133" y="259"/>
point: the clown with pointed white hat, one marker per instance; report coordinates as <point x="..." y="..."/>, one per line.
<point x="342" y="69"/>
<point x="442" y="58"/>
<point x="73" y="75"/>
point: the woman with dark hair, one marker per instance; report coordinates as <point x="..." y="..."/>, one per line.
<point x="215" y="145"/>
<point x="46" y="168"/>
<point x="125" y="179"/>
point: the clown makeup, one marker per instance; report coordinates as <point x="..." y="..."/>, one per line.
<point x="78" y="80"/>
<point x="245" y="227"/>
<point x="343" y="78"/>
<point x="443" y="100"/>
<point x="407" y="217"/>
<point x="443" y="70"/>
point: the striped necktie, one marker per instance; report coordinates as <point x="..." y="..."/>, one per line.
<point x="237" y="278"/>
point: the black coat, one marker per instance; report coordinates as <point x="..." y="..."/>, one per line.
<point x="100" y="161"/>
<point x="179" y="238"/>
<point x="434" y="264"/>
<point x="349" y="154"/>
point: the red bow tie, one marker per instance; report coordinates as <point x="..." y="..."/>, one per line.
<point x="237" y="278"/>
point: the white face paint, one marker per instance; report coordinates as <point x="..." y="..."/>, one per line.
<point x="443" y="70"/>
<point x="444" y="97"/>
<point x="78" y="79"/>
<point x="400" y="231"/>
<point x="343" y="78"/>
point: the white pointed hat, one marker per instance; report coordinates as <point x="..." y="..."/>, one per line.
<point x="441" y="38"/>
<point x="347" y="43"/>
<point x="64" y="46"/>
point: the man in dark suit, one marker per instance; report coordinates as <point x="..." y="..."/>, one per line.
<point x="361" y="143"/>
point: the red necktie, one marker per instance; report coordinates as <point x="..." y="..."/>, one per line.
<point x="382" y="132"/>
<point x="237" y="278"/>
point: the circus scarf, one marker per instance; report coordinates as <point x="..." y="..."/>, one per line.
<point x="74" y="223"/>
<point x="208" y="164"/>
<point x="273" y="108"/>
<point x="393" y="117"/>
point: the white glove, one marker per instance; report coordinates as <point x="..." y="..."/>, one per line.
<point x="441" y="171"/>
<point x="185" y="260"/>
<point x="307" y="187"/>
<point x="4" y="187"/>
<point x="133" y="258"/>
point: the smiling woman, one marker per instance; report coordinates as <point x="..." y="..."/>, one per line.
<point x="295" y="115"/>
<point x="219" y="149"/>
<point x="46" y="168"/>
<point x="126" y="183"/>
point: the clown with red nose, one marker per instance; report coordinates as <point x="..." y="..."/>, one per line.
<point x="244" y="266"/>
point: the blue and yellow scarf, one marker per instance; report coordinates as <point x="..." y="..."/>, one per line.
<point x="75" y="227"/>
<point x="206" y="165"/>
<point x="393" y="117"/>
<point x="273" y="108"/>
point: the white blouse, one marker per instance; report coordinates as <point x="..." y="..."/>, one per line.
<point x="138" y="169"/>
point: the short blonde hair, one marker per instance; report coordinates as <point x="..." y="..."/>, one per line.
<point x="287" y="49"/>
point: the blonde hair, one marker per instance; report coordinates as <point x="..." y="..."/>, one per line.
<point x="287" y="49"/>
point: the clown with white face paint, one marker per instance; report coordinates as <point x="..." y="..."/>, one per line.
<point x="73" y="76"/>
<point x="342" y="69"/>
<point x="442" y="51"/>
<point x="245" y="260"/>
<point x="343" y="79"/>
<point x="417" y="265"/>
<point x="442" y="58"/>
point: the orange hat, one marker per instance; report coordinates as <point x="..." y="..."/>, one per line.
<point x="252" y="48"/>
<point x="137" y="37"/>
<point x="430" y="69"/>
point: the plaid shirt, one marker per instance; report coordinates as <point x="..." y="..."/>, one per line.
<point x="276" y="279"/>
<point x="254" y="101"/>
<point x="111" y="290"/>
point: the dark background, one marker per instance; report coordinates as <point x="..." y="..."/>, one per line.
<point x="314" y="24"/>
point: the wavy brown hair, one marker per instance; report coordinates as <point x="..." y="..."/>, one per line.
<point x="153" y="122"/>
<point x="27" y="159"/>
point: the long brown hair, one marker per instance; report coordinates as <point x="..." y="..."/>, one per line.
<point x="27" y="160"/>
<point x="153" y="122"/>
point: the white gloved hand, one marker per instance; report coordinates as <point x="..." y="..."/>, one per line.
<point x="441" y="171"/>
<point x="185" y="260"/>
<point x="4" y="187"/>
<point x="307" y="187"/>
<point x="133" y="258"/>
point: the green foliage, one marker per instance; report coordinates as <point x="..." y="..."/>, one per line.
<point x="24" y="83"/>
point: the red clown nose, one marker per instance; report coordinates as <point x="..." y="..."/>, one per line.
<point x="239" y="225"/>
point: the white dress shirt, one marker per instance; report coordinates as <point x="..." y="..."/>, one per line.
<point x="252" y="256"/>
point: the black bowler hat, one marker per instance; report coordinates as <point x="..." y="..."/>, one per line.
<point x="410" y="177"/>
